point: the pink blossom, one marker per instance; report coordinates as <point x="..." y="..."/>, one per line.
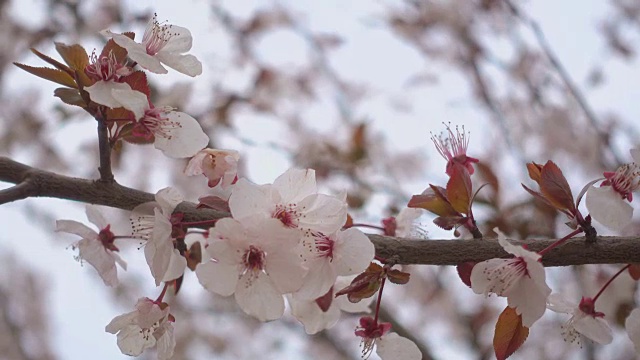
<point x="584" y="320"/>
<point x="521" y="279"/>
<point x="219" y="166"/>
<point x="453" y="148"/>
<point x="107" y="74"/>
<point x="96" y="248"/>
<point x="149" y="325"/>
<point x="161" y="44"/>
<point x="632" y="325"/>
<point x="389" y="346"/>
<point x="257" y="260"/>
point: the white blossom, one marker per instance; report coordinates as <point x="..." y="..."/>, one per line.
<point x="520" y="279"/>
<point x="593" y="326"/>
<point x="96" y="248"/>
<point x="632" y="324"/>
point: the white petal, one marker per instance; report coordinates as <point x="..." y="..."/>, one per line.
<point x="159" y="248"/>
<point x="132" y="100"/>
<point x="166" y="343"/>
<point x="101" y="259"/>
<point x="169" y="198"/>
<point x="632" y="324"/>
<point x="393" y="346"/>
<point x="186" y="64"/>
<point x="177" y="264"/>
<point x="353" y="252"/>
<point x="194" y="167"/>
<point x="180" y="41"/>
<point x="528" y="299"/>
<point x="121" y="321"/>
<point x="138" y="53"/>
<point x="257" y="296"/>
<point x="559" y="304"/>
<point x="319" y="280"/>
<point x="323" y="213"/>
<point x="635" y="154"/>
<point x="296" y="184"/>
<point x="312" y="317"/>
<point x="608" y="208"/>
<point x="186" y="140"/>
<point x="248" y="199"/>
<point x="218" y="278"/>
<point x="95" y="217"/>
<point x="100" y="92"/>
<point x="132" y="342"/>
<point x="595" y="329"/>
<point x="481" y="282"/>
<point x="285" y="270"/>
<point x="76" y="228"/>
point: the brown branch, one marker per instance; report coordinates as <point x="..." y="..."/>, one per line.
<point x="20" y="191"/>
<point x="606" y="250"/>
<point x="104" y="146"/>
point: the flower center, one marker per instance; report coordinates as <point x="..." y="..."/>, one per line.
<point x="107" y="238"/>
<point x="154" y="123"/>
<point x="504" y="276"/>
<point x="624" y="181"/>
<point x="156" y="36"/>
<point x="105" y="68"/>
<point x="324" y="246"/>
<point x="287" y="214"/>
<point x="253" y="259"/>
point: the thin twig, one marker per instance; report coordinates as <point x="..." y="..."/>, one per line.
<point x="19" y="191"/>
<point x="106" y="175"/>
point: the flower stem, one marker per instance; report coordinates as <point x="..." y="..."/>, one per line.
<point x="560" y="242"/>
<point x="375" y="319"/>
<point x="161" y="296"/>
<point x="609" y="282"/>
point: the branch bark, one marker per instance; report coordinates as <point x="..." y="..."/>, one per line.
<point x="606" y="250"/>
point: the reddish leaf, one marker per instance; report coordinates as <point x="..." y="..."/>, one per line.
<point x="364" y="285"/>
<point x="634" y="271"/>
<point x="398" y="277"/>
<point x="194" y="256"/>
<point x="74" y="55"/>
<point x="138" y="81"/>
<point x="433" y="200"/>
<point x="55" y="75"/>
<point x="70" y="96"/>
<point x="449" y="222"/>
<point x="510" y="334"/>
<point x="112" y="48"/>
<point x="535" y="172"/>
<point x="57" y="64"/>
<point x="555" y="187"/>
<point x="459" y="188"/>
<point x="464" y="271"/>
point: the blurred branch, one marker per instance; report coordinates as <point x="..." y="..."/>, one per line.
<point x="606" y="250"/>
<point x="566" y="78"/>
<point x="20" y="191"/>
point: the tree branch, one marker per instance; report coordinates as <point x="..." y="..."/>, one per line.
<point x="20" y="191"/>
<point x="606" y="250"/>
<point x="106" y="175"/>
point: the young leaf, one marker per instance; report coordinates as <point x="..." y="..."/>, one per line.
<point x="138" y="81"/>
<point x="398" y="277"/>
<point x="555" y="187"/>
<point x="434" y="200"/>
<point x="510" y="334"/>
<point x="634" y="271"/>
<point x="464" y="271"/>
<point x="74" y="55"/>
<point x="535" y="172"/>
<point x="459" y="188"/>
<point x="70" y="96"/>
<point x="57" y="64"/>
<point x="55" y="75"/>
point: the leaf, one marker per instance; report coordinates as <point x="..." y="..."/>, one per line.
<point x="74" y="55"/>
<point x="449" y="222"/>
<point x="118" y="52"/>
<point x="433" y="200"/>
<point x="138" y="81"/>
<point x="464" y="271"/>
<point x="634" y="271"/>
<point x="555" y="187"/>
<point x="57" y="64"/>
<point x="398" y="277"/>
<point x="55" y="75"/>
<point x="213" y="202"/>
<point x="70" y="96"/>
<point x="535" y="172"/>
<point x="510" y="334"/>
<point x="363" y="285"/>
<point x="459" y="188"/>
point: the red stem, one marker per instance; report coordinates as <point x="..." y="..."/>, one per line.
<point x="561" y="241"/>
<point x="375" y="319"/>
<point x="609" y="282"/>
<point x="161" y="296"/>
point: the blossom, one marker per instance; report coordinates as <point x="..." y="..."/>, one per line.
<point x="404" y="225"/>
<point x="632" y="324"/>
<point x="257" y="260"/>
<point x="521" y="279"/>
<point x="219" y="166"/>
<point x="292" y="199"/>
<point x="584" y="320"/>
<point x="324" y="312"/>
<point x="107" y="74"/>
<point x="97" y="248"/>
<point x="347" y="252"/>
<point x="454" y="149"/>
<point x="177" y="134"/>
<point x="609" y="203"/>
<point x="161" y="44"/>
<point x="150" y="324"/>
<point x="389" y="346"/>
<point x="152" y="222"/>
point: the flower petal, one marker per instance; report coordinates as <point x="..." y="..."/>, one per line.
<point x="95" y="217"/>
<point x="186" y="64"/>
<point x="101" y="259"/>
<point x="177" y="264"/>
<point x="138" y="53"/>
<point x="221" y="279"/>
<point x="296" y="184"/>
<point x="169" y="198"/>
<point x="257" y="296"/>
<point x="319" y="280"/>
<point x="76" y="228"/>
<point x="608" y="208"/>
<point x="353" y="252"/>
<point x="185" y="140"/>
<point x="393" y="346"/>
<point x="180" y="41"/>
<point x="311" y="316"/>
<point x="632" y="324"/>
<point x="323" y="213"/>
<point x="248" y="199"/>
<point x="100" y="92"/>
<point x="132" y="100"/>
<point x="558" y="303"/>
<point x="595" y="329"/>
